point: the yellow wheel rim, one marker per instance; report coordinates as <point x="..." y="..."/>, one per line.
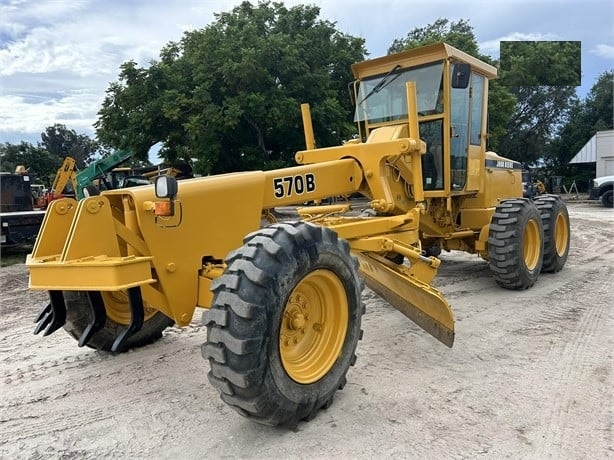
<point x="532" y="244"/>
<point x="313" y="326"/>
<point x="561" y="234"/>
<point x="117" y="307"/>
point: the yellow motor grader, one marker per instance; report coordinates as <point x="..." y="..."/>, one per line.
<point x="283" y="301"/>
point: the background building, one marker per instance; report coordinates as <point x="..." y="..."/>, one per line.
<point x="599" y="150"/>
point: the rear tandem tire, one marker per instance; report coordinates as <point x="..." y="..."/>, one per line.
<point x="78" y="314"/>
<point x="555" y="220"/>
<point x="516" y="244"/>
<point x="284" y="323"/>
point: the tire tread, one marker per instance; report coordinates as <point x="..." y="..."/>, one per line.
<point x="239" y="321"/>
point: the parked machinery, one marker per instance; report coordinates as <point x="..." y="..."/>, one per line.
<point x="283" y="303"/>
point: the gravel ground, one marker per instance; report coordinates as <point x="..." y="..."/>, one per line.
<point x="529" y="377"/>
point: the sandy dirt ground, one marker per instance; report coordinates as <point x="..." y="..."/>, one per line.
<point x="530" y="376"/>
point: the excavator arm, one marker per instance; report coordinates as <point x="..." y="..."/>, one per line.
<point x="80" y="180"/>
<point x="66" y="174"/>
<point x="98" y="170"/>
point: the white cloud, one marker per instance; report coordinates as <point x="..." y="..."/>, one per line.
<point x="57" y="58"/>
<point x="43" y="51"/>
<point x="93" y="42"/>
<point x="604" y="51"/>
<point x="76" y="110"/>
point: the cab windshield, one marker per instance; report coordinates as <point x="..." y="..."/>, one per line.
<point x="384" y="98"/>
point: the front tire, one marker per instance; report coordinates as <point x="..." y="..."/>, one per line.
<point x="284" y="323"/>
<point x="607" y="199"/>
<point x="516" y="244"/>
<point x="78" y="315"/>
<point x="555" y="220"/>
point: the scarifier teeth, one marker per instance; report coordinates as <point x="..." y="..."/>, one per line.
<point x="98" y="317"/>
<point x="53" y="316"/>
<point x="43" y="318"/>
<point x="137" y="314"/>
<point x="43" y="313"/>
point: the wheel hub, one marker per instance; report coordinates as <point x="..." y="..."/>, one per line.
<point x="294" y="321"/>
<point x="297" y="322"/>
<point x="313" y="326"/>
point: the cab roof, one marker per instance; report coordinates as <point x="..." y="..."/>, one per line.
<point x="419" y="56"/>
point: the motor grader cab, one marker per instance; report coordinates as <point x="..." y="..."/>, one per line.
<point x="283" y="302"/>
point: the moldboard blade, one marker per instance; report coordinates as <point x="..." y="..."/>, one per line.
<point x="419" y="301"/>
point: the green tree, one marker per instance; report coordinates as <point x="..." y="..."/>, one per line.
<point x="228" y="96"/>
<point x="501" y="106"/>
<point x="44" y="159"/>
<point x="459" y="34"/>
<point x="60" y="141"/>
<point x="541" y="63"/>
<point x="36" y="159"/>
<point x="539" y="111"/>
<point x="586" y="117"/>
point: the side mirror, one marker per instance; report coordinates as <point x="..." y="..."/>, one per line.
<point x="166" y="187"/>
<point x="461" y="72"/>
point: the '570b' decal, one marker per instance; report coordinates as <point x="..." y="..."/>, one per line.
<point x="294" y="185"/>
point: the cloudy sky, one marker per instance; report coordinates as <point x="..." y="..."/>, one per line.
<point x="57" y="57"/>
